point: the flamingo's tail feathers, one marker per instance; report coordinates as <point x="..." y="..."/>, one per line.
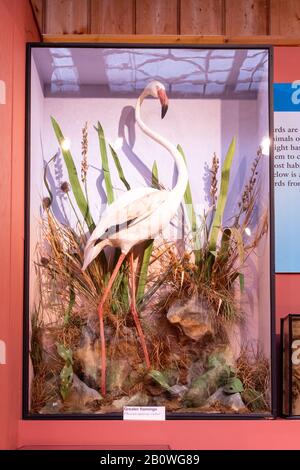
<point x="92" y="251"/>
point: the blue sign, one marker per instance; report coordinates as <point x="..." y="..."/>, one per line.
<point x="287" y="176"/>
<point x="287" y="96"/>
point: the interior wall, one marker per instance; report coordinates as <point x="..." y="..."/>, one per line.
<point x="16" y="27"/>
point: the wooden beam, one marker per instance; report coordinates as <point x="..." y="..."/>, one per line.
<point x="171" y="39"/>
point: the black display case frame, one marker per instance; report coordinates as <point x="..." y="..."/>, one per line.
<point x="26" y="414"/>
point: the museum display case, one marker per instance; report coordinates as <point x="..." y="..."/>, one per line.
<point x="149" y="231"/>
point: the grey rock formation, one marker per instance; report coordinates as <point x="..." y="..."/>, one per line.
<point x="192" y="316"/>
<point x="232" y="401"/>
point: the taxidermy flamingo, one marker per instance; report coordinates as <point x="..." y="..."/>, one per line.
<point x="139" y="214"/>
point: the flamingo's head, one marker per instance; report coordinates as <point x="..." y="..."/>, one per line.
<point x="157" y="90"/>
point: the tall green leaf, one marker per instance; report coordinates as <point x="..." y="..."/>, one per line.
<point x="238" y="238"/>
<point x="65" y="353"/>
<point x="188" y="200"/>
<point x="154" y="179"/>
<point x="160" y="378"/>
<point x="119" y="168"/>
<point x="66" y="380"/>
<point x="45" y="176"/>
<point x="223" y="253"/>
<point x="69" y="309"/>
<point x="121" y="281"/>
<point x="105" y="165"/>
<point x="144" y="272"/>
<point x="120" y="288"/>
<point x="242" y="281"/>
<point x="73" y="178"/>
<point x="148" y="250"/>
<point x="221" y="203"/>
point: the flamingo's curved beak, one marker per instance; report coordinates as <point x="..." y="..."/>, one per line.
<point x="164" y="101"/>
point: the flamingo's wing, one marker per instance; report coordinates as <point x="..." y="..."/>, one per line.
<point x="117" y="213"/>
<point x="132" y="207"/>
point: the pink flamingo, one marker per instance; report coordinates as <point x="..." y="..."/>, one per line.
<point x="138" y="215"/>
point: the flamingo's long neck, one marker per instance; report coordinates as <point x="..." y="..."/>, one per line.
<point x="182" y="180"/>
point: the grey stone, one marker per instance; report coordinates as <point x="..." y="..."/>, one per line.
<point x="88" y="357"/>
<point x="118" y="374"/>
<point x="192" y="316"/>
<point x="233" y="401"/>
<point x="207" y="383"/>
<point x="80" y="394"/>
<point x="51" y="407"/>
<point x="139" y="399"/>
<point x="196" y="369"/>
<point x="47" y="339"/>
<point x="119" y="404"/>
<point x="178" y="390"/>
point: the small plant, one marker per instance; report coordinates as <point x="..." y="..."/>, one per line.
<point x="66" y="374"/>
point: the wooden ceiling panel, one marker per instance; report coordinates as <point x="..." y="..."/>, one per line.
<point x="66" y="16"/>
<point x="112" y="16"/>
<point x="219" y="21"/>
<point x="285" y="18"/>
<point x="201" y="17"/>
<point x="246" y="18"/>
<point x="156" y="16"/>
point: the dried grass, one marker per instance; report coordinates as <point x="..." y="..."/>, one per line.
<point x="42" y="390"/>
<point x="253" y="369"/>
<point x="63" y="251"/>
<point x="70" y="334"/>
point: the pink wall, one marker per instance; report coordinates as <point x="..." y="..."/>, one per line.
<point x="204" y="435"/>
<point x="287" y="296"/>
<point x="16" y="26"/>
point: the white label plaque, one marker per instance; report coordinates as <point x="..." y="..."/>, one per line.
<point x="144" y="413"/>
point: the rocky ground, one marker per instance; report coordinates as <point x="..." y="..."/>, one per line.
<point x="193" y="367"/>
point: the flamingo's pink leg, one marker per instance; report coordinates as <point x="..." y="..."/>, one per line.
<point x="135" y="314"/>
<point x="101" y="322"/>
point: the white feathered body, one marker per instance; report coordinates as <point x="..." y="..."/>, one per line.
<point x="139" y="214"/>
